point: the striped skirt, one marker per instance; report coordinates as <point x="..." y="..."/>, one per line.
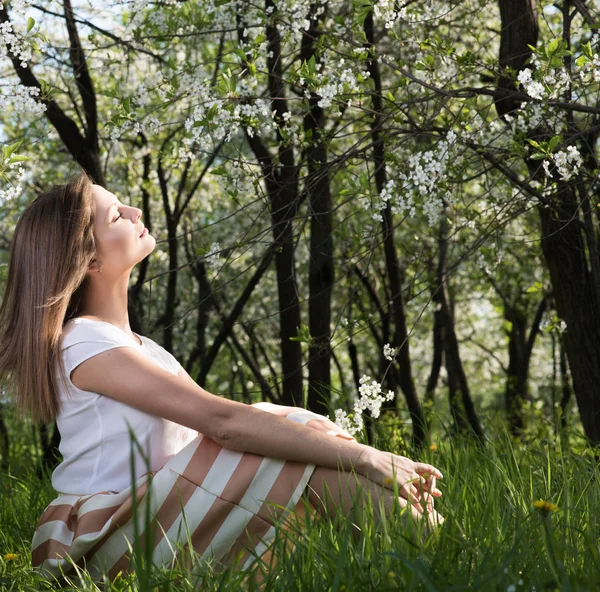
<point x="224" y="503"/>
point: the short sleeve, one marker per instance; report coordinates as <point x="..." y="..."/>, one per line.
<point x="82" y="340"/>
<point x="161" y="356"/>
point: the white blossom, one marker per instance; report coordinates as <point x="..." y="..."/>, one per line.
<point x="533" y="88"/>
<point x="419" y="184"/>
<point x="386" y="11"/>
<point x="371" y="398"/>
<point x="14" y="42"/>
<point x="590" y="71"/>
<point x="14" y="189"/>
<point x="23" y="99"/>
<point x="212" y="257"/>
<point x="389" y="352"/>
<point x="340" y="79"/>
<point x="567" y="163"/>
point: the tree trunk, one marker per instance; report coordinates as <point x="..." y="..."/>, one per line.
<point x="321" y="268"/>
<point x="564" y="383"/>
<point x="393" y="267"/>
<point x="520" y="347"/>
<point x="457" y="378"/>
<point x="281" y="183"/>
<point x="515" y="392"/>
<point x="564" y="252"/>
<point x="437" y="359"/>
<point x="135" y="304"/>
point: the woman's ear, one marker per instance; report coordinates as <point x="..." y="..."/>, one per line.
<point x="94" y="267"/>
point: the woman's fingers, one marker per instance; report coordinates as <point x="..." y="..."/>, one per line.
<point x="424" y="468"/>
<point x="415" y="500"/>
<point x="325" y="425"/>
<point x="432" y="486"/>
<point x="318" y="424"/>
<point x="409" y="491"/>
<point x="423" y="490"/>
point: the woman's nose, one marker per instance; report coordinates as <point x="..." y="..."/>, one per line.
<point x="137" y="214"/>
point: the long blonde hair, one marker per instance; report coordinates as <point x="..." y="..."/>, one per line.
<point x="52" y="246"/>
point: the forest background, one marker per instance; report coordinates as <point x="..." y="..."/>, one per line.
<point x="342" y="192"/>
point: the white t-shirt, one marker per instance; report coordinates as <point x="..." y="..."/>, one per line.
<point x="95" y="441"/>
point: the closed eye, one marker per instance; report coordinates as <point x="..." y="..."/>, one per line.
<point x="119" y="216"/>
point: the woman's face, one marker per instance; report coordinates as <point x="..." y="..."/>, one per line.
<point x="121" y="238"/>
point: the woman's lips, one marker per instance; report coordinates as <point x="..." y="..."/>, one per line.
<point x="144" y="232"/>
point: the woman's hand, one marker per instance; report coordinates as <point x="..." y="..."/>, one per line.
<point x="415" y="480"/>
<point x="326" y="425"/>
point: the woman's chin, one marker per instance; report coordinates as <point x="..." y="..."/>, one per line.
<point x="149" y="247"/>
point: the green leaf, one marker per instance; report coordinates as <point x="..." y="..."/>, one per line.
<point x="238" y="51"/>
<point x="554" y="142"/>
<point x="581" y="61"/>
<point x="10" y="149"/>
<point x="361" y="9"/>
<point x="391" y="97"/>
<point x="30" y="24"/>
<point x="535" y="289"/>
<point x="18" y="158"/>
<point x="219" y="170"/>
<point x="552" y="46"/>
<point x="302" y="335"/>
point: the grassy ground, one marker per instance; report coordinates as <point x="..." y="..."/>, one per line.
<point x="494" y="537"/>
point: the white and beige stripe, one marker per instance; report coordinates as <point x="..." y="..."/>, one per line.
<point x="225" y="503"/>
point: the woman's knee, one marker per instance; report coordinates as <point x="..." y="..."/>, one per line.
<point x="329" y="489"/>
<point x="352" y="492"/>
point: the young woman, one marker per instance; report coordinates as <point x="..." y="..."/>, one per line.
<point x="137" y="430"/>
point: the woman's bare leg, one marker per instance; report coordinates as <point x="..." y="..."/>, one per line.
<point x="256" y="579"/>
<point x="331" y="492"/>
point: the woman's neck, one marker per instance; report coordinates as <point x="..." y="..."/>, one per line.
<point x="106" y="299"/>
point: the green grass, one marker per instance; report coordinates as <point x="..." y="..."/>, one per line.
<point x="493" y="537"/>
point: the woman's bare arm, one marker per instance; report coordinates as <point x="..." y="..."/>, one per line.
<point x="126" y="375"/>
